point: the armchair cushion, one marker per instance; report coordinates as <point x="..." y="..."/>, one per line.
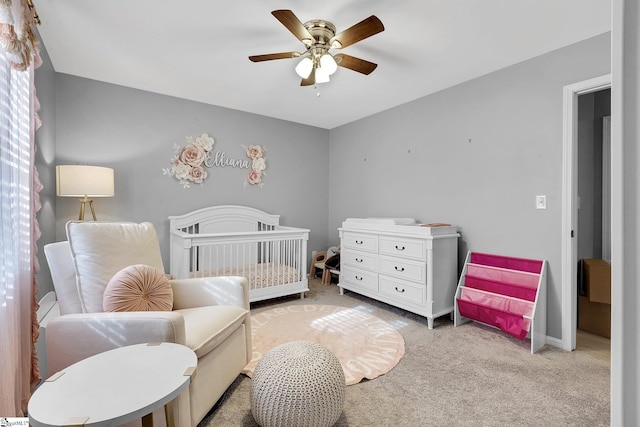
<point x="207" y="327"/>
<point x="73" y="337"/>
<point x="138" y="287"/>
<point x="63" y="274"/>
<point x="205" y="291"/>
<point x="101" y="249"/>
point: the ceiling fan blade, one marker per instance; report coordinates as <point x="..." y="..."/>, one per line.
<point x="293" y="24"/>
<point x="271" y="56"/>
<point x="360" y="31"/>
<point x="355" y="64"/>
<point x="309" y="81"/>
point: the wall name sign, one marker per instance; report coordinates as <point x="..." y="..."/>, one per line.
<point x="190" y="161"/>
<point x="220" y="159"/>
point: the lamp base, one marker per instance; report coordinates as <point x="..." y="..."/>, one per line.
<point x="82" y="204"/>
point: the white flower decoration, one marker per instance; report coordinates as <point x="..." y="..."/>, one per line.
<point x="259" y="164"/>
<point x="205" y="141"/>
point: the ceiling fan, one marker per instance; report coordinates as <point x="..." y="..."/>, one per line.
<point x="319" y="36"/>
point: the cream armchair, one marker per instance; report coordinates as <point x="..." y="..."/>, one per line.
<point x="210" y="315"/>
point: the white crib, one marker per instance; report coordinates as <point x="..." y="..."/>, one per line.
<point x="231" y="240"/>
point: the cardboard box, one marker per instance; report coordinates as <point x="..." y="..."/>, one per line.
<point x="594" y="317"/>
<point x="597" y="277"/>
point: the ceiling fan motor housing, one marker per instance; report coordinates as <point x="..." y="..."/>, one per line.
<point x="322" y="31"/>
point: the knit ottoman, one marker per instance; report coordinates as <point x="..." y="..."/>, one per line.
<point x="297" y="384"/>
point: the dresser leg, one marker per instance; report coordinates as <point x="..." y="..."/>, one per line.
<point x="430" y="322"/>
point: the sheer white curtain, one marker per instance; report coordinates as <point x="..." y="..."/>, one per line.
<point x="16" y="265"/>
<point x="19" y="202"/>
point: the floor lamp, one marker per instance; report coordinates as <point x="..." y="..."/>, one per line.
<point x="84" y="182"/>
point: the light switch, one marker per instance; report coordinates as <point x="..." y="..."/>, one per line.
<point x="541" y="202"/>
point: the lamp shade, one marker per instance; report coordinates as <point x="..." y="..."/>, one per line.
<point x="80" y="181"/>
<point x="304" y="67"/>
<point x="328" y="64"/>
<point x="322" y="76"/>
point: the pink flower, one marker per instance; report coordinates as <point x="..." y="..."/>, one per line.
<point x="193" y="154"/>
<point x="255" y="177"/>
<point x="197" y="174"/>
<point x="254" y="151"/>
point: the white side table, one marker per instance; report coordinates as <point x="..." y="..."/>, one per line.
<point x="114" y="387"/>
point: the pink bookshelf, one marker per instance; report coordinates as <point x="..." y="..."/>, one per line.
<point x="505" y="292"/>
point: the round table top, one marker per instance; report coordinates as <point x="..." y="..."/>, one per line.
<point x="116" y="386"/>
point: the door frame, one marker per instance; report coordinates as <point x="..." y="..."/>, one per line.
<point x="569" y="202"/>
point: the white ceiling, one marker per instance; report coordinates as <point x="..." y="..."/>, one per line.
<point x="198" y="49"/>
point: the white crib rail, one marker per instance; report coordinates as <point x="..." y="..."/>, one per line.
<point x="278" y="252"/>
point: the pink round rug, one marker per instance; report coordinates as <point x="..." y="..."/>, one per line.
<point x="366" y="345"/>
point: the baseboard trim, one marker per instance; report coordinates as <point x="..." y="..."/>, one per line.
<point x="556" y="342"/>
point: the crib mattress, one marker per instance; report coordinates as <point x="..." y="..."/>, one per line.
<point x="261" y="275"/>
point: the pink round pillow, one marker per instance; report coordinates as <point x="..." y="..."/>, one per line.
<point x="138" y="288"/>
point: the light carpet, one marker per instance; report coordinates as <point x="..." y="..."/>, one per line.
<point x="365" y="345"/>
<point x="471" y="376"/>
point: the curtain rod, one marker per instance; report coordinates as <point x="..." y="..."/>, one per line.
<point x="32" y="8"/>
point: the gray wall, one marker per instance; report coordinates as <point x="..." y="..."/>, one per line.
<point x="134" y="132"/>
<point x="474" y="155"/>
<point x="45" y="78"/>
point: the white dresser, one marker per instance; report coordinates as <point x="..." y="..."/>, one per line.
<point x="400" y="262"/>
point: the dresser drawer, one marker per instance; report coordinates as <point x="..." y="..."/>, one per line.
<point x="361" y="278"/>
<point x="402" y="247"/>
<point x="365" y="242"/>
<point x="404" y="269"/>
<point x="401" y="290"/>
<point x="365" y="260"/>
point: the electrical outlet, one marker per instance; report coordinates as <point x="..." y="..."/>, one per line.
<point x="541" y="202"/>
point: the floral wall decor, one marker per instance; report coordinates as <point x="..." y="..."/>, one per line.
<point x="189" y="161"/>
<point x="258" y="164"/>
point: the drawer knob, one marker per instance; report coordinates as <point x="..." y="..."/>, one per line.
<point x="401" y="269"/>
<point x="359" y="242"/>
<point x="400" y="290"/>
<point x="359" y="259"/>
<point x="400" y="248"/>
<point x="358" y="278"/>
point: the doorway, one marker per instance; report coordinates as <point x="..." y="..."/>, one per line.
<point x="594" y="223"/>
<point x="571" y="202"/>
<point x="594" y="176"/>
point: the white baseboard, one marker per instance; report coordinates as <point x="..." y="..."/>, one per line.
<point x="556" y="342"/>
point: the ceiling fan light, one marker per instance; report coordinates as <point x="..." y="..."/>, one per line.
<point x="328" y="64"/>
<point x="322" y="76"/>
<point x="304" y="67"/>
